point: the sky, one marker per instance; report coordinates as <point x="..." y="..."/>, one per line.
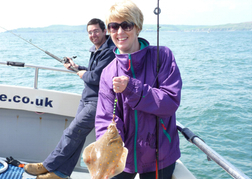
<point x="42" y="13"/>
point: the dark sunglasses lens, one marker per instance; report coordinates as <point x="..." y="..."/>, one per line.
<point x="127" y="26"/>
<point x="113" y="26"/>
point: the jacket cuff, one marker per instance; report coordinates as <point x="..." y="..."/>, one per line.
<point x="129" y="89"/>
<point x="132" y="87"/>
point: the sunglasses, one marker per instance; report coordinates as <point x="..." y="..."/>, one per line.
<point x="126" y="26"/>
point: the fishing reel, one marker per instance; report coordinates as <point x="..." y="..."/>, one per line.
<point x="65" y="59"/>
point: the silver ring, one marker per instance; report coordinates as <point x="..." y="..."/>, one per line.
<point x="118" y="87"/>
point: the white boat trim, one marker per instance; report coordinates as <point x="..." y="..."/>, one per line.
<point x="181" y="172"/>
<point x="5" y="166"/>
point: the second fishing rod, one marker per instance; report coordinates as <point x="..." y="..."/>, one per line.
<point x="64" y="60"/>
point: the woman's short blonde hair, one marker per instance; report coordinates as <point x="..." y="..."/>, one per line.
<point x="126" y="11"/>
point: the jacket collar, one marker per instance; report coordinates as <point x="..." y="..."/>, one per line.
<point x="135" y="58"/>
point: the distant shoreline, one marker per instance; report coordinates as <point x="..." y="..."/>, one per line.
<point x="245" y="26"/>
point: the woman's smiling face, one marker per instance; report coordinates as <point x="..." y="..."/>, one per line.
<point x="126" y="41"/>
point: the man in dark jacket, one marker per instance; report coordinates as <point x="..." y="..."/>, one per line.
<point x="61" y="162"/>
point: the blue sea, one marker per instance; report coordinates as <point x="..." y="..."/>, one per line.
<point x="216" y="69"/>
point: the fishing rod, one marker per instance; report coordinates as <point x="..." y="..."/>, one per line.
<point x="157" y="11"/>
<point x="65" y="60"/>
<point x="211" y="154"/>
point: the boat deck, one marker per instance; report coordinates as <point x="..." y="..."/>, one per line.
<point x="181" y="172"/>
<point x="75" y="174"/>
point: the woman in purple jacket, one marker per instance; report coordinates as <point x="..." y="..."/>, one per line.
<point x="142" y="95"/>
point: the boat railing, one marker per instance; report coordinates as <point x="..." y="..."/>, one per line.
<point x="211" y="154"/>
<point x="36" y="67"/>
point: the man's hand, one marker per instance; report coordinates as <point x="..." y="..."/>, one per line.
<point x="81" y="73"/>
<point x="70" y="63"/>
<point x="120" y="83"/>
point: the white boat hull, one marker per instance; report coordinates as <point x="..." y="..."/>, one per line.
<point x="30" y="131"/>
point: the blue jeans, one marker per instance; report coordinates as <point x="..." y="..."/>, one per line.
<point x="66" y="154"/>
<point x="165" y="173"/>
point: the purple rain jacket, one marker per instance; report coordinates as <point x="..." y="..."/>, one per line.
<point x="140" y="103"/>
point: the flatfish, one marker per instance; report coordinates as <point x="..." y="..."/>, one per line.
<point x="106" y="157"/>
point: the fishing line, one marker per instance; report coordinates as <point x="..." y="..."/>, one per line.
<point x="23" y="39"/>
<point x="65" y="60"/>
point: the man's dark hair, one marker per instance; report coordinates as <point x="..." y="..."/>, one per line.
<point x="97" y="21"/>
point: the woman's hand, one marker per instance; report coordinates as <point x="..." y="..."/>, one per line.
<point x="120" y="83"/>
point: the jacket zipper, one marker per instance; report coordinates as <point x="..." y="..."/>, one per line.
<point x="136" y="119"/>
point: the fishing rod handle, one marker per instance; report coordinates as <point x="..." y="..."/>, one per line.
<point x="60" y="60"/>
<point x="55" y="57"/>
<point x="74" y="69"/>
<point x="17" y="64"/>
<point x="65" y="60"/>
